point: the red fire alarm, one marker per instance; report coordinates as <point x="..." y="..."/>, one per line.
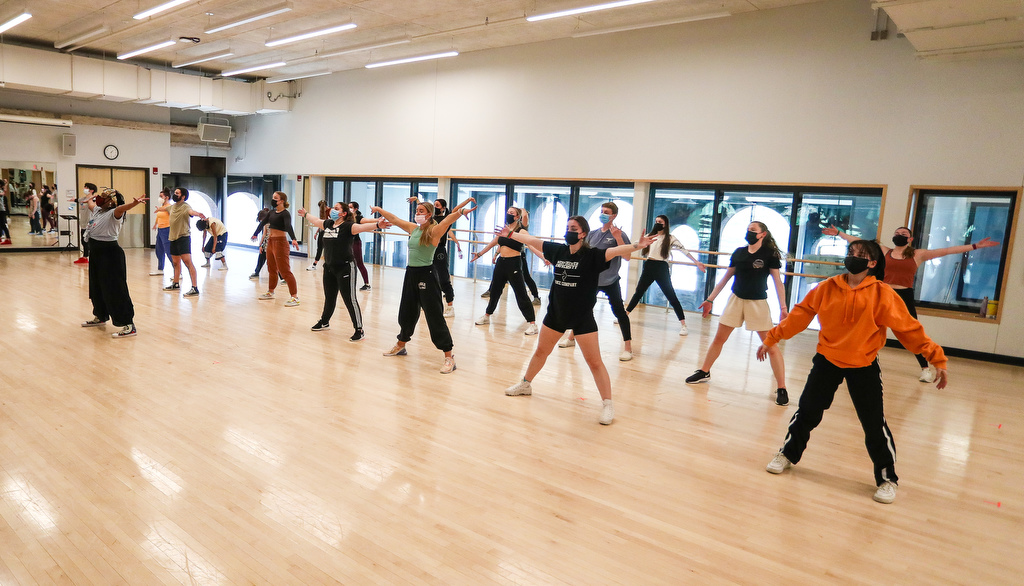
<point x="300" y="177"/>
<point x="155" y="170"/>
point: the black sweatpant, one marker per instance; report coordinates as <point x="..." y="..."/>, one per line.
<point x="421" y="291"/>
<point x="341" y="279"/>
<point x="907" y="295"/>
<point x="614" y="295"/>
<point x="509" y="269"/>
<point x="4" y="231"/>
<point x="319" y="245"/>
<point x="657" y="271"/>
<point x="865" y="386"/>
<point x="108" y="283"/>
<point x="530" y="283"/>
<point x="444" y="278"/>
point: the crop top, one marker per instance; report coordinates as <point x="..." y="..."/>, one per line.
<point x="900" y="271"/>
<point x="277" y="220"/>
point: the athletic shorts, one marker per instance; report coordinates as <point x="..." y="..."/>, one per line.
<point x="181" y="246"/>
<point x="752" y="312"/>
<point x="580" y="322"/>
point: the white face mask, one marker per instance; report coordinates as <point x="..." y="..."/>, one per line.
<point x="421" y="219"/>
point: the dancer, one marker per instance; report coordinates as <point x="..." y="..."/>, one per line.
<point x="444" y="276"/>
<point x="108" y="272"/>
<point x="854" y="309"/>
<point x="89" y="189"/>
<point x="607" y="237"/>
<point x="46" y="209"/>
<point x="751" y="266"/>
<point x="527" y="277"/>
<point x="336" y="234"/>
<point x="420" y="289"/>
<point x="180" y="234"/>
<point x="357" y="246"/>
<point x="162" y="225"/>
<point x="32" y="199"/>
<point x="318" y="235"/>
<point x="278" y="260"/>
<point x="656" y="269"/>
<point x="5" y="233"/>
<point x="578" y="268"/>
<point x="216" y="244"/>
<point x="508" y="269"/>
<point x="901" y="264"/>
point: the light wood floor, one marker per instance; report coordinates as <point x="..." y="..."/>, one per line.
<point x="228" y="444"/>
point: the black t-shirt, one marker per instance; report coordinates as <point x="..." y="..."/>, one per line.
<point x="277" y="220"/>
<point x="752" y="271"/>
<point x="359" y="220"/>
<point x="337" y="243"/>
<point x="575" y="284"/>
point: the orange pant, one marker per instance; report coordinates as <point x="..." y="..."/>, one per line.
<point x="278" y="261"/>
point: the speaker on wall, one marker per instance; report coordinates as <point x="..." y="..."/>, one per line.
<point x="69" y="145"/>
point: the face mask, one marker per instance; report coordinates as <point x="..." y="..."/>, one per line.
<point x="604" y="218"/>
<point x="176" y="197"/>
<point x="572" y="238"/>
<point x="509" y="218"/>
<point x="900" y="240"/>
<point x="855" y="264"/>
<point x="335" y="214"/>
<point x="657" y="228"/>
<point x="421" y="219"/>
<point x="751" y="237"/>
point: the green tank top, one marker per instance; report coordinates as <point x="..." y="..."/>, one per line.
<point x="420" y="255"/>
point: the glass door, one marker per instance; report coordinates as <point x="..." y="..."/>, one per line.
<point x="689" y="214"/>
<point x="547" y="207"/>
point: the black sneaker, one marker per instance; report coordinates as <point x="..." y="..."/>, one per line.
<point x="365" y="287"/>
<point x="698" y="376"/>
<point x="173" y="287"/>
<point x="781" y="397"/>
<point x="320" y="326"/>
<point x="357" y="336"/>
<point x="193" y="292"/>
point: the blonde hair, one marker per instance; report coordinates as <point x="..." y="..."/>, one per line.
<point x="427" y="228"/>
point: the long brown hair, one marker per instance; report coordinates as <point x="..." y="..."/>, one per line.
<point x="283" y="197"/>
<point x="325" y="210"/>
<point x="666" y="244"/>
<point x="585" y="226"/>
<point x="768" y="240"/>
<point x="908" y="252"/>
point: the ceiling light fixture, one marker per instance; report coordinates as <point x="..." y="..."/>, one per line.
<point x="131" y="54"/>
<point x="412" y="59"/>
<point x="159" y="9"/>
<point x="203" y="59"/>
<point x="253" y="17"/>
<point x="355" y="49"/>
<point x="35" y="120"/>
<point x="585" y="9"/>
<point x="14" y="22"/>
<point x="295" y="76"/>
<point x="620" y="29"/>
<point x="253" y="68"/>
<point x="76" y="40"/>
<point x="310" y="34"/>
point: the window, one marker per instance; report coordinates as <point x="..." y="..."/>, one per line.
<point x="689" y="215"/>
<point x="591" y="200"/>
<point x="548" y="209"/>
<point x="477" y="229"/>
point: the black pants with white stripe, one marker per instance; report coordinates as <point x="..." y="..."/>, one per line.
<point x="341" y="279"/>
<point x="865" y="386"/>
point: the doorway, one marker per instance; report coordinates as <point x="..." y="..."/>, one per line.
<point x="131" y="183"/>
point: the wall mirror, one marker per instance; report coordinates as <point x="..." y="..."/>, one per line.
<point x="32" y="207"/>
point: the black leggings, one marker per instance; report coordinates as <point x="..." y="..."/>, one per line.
<point x="341" y="279"/>
<point x="510" y="270"/>
<point x="615" y="300"/>
<point x="657" y="271"/>
<point x="319" y="245"/>
<point x="907" y="295"/>
<point x="108" y="284"/>
<point x="444" y="278"/>
<point x="530" y="283"/>
<point x="420" y="291"/>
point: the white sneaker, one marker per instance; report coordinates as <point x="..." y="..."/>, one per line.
<point x="522" y="387"/>
<point x="886" y="493"/>
<point x="205" y="265"/>
<point x="266" y="296"/>
<point x="607" y="412"/>
<point x="129" y="331"/>
<point x="779" y="463"/>
<point x="449" y="311"/>
<point x="484" y="320"/>
<point x="449" y="365"/>
<point x="531" y="330"/>
<point x="683" y="331"/>
<point x="626" y="356"/>
<point x="311" y="267"/>
<point x="927" y="376"/>
<point x="156" y="273"/>
<point x="567" y="343"/>
<point x="223" y="266"/>
<point x="292" y="302"/>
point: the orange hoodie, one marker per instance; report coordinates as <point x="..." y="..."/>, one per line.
<point x="853" y="323"/>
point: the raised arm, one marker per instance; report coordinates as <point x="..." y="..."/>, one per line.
<point x="365" y="226"/>
<point x="313" y="221"/>
<point x="922" y="255"/>
<point x="526" y="238"/>
<point x="481" y="252"/>
<point x="625" y="250"/>
<point x="405" y="225"/>
<point x="675" y="244"/>
<point x="833" y="231"/>
<point x="120" y="210"/>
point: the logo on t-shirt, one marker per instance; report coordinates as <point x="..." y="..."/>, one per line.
<point x="758" y="263"/>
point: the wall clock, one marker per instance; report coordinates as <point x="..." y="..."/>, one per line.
<point x="110" y="151"/>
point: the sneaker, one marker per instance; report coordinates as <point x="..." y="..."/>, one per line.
<point x="129" y="330"/>
<point x="205" y="265"/>
<point x="266" y="296"/>
<point x="94" y="322"/>
<point x="486" y="294"/>
<point x="152" y="273"/>
<point x="778" y="464"/>
<point x="311" y="267"/>
<point x="536" y="301"/>
<point x="522" y="387"/>
<point x="396" y="350"/>
<point x="294" y="301"/>
<point x="567" y="343"/>
<point x="320" y="326"/>
<point x="683" y="331"/>
<point x="607" y="413"/>
<point x="484" y="320"/>
<point x="927" y="376"/>
<point x="449" y="365"/>
<point x="193" y="292"/>
<point x="82" y="260"/>
<point x="626" y="356"/>
<point x="781" y="397"/>
<point x="357" y="336"/>
<point x="531" y="330"/>
<point x="223" y="266"/>
<point x="173" y="287"/>
<point x="283" y="282"/>
<point x="449" y="311"/>
<point x="254" y="277"/>
<point x="886" y="493"/>
<point x="699" y="376"/>
<point x="365" y="287"/>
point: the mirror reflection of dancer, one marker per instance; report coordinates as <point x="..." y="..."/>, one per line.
<point x="901" y="264"/>
<point x="162" y="225"/>
<point x="420" y="290"/>
<point x="88" y="190"/>
<point x="278" y="260"/>
<point x="181" y="241"/>
<point x="508" y="269"/>
<point x="357" y="246"/>
<point x="656" y="269"/>
<point x="751" y="266"/>
<point x="530" y="283"/>
<point x="578" y="268"/>
<point x="336" y="233"/>
<point x="108" y="271"/>
<point x="215" y="245"/>
<point x="318" y="236"/>
<point x="5" y="233"/>
<point x="854" y="310"/>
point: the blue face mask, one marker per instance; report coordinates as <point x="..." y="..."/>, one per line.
<point x="604" y="218"/>
<point x="335" y="214"/>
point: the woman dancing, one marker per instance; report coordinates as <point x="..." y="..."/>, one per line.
<point x="278" y="261"/>
<point x="162" y="225"/>
<point x="508" y="269"/>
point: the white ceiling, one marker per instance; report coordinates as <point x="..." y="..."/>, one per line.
<point x="959" y="27"/>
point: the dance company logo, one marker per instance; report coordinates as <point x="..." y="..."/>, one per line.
<point x="566" y="266"/>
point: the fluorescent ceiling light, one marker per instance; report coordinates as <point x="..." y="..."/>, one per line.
<point x="159" y="9"/>
<point x="131" y="54"/>
<point x="253" y="17"/>
<point x="203" y="59"/>
<point x="298" y="76"/>
<point x="76" y="40"/>
<point x="254" y="68"/>
<point x="585" y="9"/>
<point x="412" y="59"/>
<point x="633" y="27"/>
<point x="355" y="49"/>
<point x="311" y="34"/>
<point x="34" y="120"/>
<point x="14" y="22"/>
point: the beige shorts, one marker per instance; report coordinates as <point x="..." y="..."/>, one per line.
<point x="752" y="312"/>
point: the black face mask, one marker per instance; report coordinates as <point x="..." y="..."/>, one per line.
<point x="176" y="197"/>
<point x="751" y="237"/>
<point x="855" y="264"/>
<point x="509" y="218"/>
<point x="900" y="240"/>
<point x="657" y="228"/>
<point x="572" y="238"/>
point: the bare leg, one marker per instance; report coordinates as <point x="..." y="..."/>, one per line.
<point x="716" y="346"/>
<point x="176" y="261"/>
<point x="187" y="259"/>
<point x="591" y="350"/>
<point x="545" y="343"/>
<point x="778" y="364"/>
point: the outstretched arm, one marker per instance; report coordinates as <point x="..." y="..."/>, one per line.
<point x="526" y="238"/>
<point x="627" y="249"/>
<point x="922" y="255"/>
<point x="120" y="210"/>
<point x="481" y="252"/>
<point x="405" y="225"/>
<point x="313" y="221"/>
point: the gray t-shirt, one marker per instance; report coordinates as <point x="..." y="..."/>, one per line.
<point x="104" y="226"/>
<point x="602" y="241"/>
